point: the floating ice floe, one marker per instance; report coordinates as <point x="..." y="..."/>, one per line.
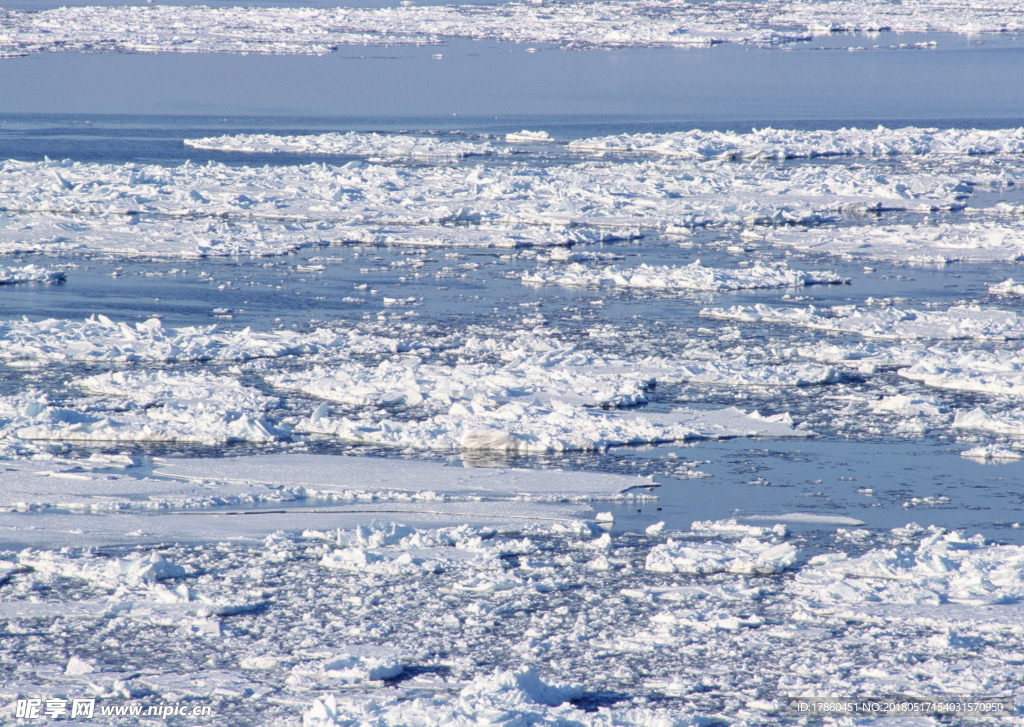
<point x="779" y="144"/>
<point x="692" y="277"/>
<point x="576" y="379"/>
<point x="971" y="241"/>
<point x="526" y="136"/>
<point x="887" y="323"/>
<point x="1008" y="287"/>
<point x="991" y="453"/>
<point x="543" y="398"/>
<point x="608" y="24"/>
<point x="989" y="372"/>
<point x="175" y="411"/>
<point x="535" y="371"/>
<point x="908" y="406"/>
<point x="864" y="356"/>
<point x="55" y="503"/>
<point x="30" y="274"/>
<point x="98" y="338"/>
<point x="161" y="388"/>
<point x="45" y="485"/>
<point x="370" y="145"/>
<point x="369" y="478"/>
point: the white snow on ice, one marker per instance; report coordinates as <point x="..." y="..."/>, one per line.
<point x="973" y="322"/>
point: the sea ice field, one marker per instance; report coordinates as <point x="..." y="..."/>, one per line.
<point x="529" y="363"/>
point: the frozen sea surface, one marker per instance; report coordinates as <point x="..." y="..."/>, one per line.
<point x="566" y="412"/>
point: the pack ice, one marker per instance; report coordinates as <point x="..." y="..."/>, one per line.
<point x="613" y="24"/>
<point x="579" y="626"/>
<point x="215" y="209"/>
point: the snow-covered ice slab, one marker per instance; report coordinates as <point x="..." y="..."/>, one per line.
<point x="324" y="475"/>
<point x="98" y="338"/>
<point x="52" y="504"/>
<point x="887" y="323"/>
<point x="609" y="24"/>
<point x="135" y="528"/>
<point x="89" y="486"/>
<point x="693" y="277"/>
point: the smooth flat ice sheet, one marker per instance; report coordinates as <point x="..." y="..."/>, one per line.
<point x="331" y="474"/>
<point x="52" y="504"/>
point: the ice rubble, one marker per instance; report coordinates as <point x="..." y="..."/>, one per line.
<point x="608" y="24"/>
<point x="694" y="145"/>
<point x="692" y="277"/>
<point x="537" y="401"/>
<point x="520" y="697"/>
<point x="204" y="422"/>
<point x="214" y="209"/>
<point x="542" y="396"/>
<point x="941" y="568"/>
<point x="514" y="427"/>
<point x="749" y="556"/>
